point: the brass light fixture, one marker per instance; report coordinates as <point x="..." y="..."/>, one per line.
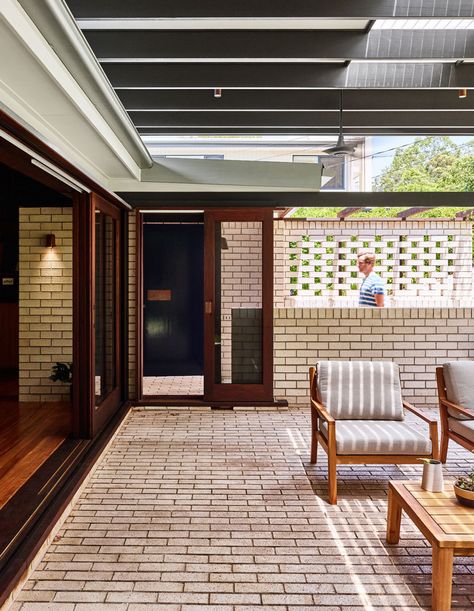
<point x="50" y="240"/>
<point x="462" y="93"/>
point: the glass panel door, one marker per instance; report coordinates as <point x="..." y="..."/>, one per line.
<point x="106" y="310"/>
<point x="105" y="314"/>
<point x="238" y="306"/>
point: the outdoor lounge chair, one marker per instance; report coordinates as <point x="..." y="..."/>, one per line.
<point x="357" y="416"/>
<point x="456" y="404"/>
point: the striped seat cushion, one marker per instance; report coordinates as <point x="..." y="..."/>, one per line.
<point x="375" y="437"/>
<point x="360" y="390"/>
<point x="465" y="428"/>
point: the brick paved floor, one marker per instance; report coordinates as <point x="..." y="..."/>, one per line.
<point x="219" y="510"/>
<point x="173" y="385"/>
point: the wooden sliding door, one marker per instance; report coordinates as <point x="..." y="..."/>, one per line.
<point x="106" y="311"/>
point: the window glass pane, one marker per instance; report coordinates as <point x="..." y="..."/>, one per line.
<point x="238" y="303"/>
<point x="105" y="317"/>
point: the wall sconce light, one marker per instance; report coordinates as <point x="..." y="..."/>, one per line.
<point x="217" y="92"/>
<point x="224" y="245"/>
<point x="50" y="240"/>
<point x="462" y="93"/>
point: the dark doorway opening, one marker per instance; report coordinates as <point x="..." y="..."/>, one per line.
<point x="173" y="290"/>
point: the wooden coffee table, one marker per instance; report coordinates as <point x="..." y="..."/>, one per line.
<point x="447" y="525"/>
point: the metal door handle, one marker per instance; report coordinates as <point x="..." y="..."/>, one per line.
<point x="208" y="307"/>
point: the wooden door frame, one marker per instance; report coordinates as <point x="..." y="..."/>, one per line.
<point x="18" y="157"/>
<point x="267" y="286"/>
<point x="139" y="304"/>
<point x="103" y="412"/>
<point x="83" y="348"/>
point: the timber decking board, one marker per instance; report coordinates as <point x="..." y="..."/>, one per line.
<point x="29" y="434"/>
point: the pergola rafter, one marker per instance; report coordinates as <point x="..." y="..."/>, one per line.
<point x="337" y="9"/>
<point x="404" y="214"/>
<point x="280" y="65"/>
<point x="464" y="215"/>
<point x="269" y="45"/>
<point x="343" y="214"/>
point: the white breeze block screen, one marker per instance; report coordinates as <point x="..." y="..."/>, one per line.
<point x="430" y="260"/>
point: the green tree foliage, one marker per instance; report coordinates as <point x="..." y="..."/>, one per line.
<point x="374" y="213"/>
<point x="435" y="163"/>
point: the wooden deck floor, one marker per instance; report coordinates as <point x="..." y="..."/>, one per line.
<point x="29" y="434"/>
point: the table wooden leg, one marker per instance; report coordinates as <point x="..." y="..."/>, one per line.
<point x="394" y="518"/>
<point x="442" y="578"/>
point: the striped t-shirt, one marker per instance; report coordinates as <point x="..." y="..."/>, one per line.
<point x="372" y="285"/>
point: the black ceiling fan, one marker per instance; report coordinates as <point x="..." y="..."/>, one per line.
<point x="341" y="148"/>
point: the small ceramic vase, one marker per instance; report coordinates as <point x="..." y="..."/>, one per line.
<point x="432" y="480"/>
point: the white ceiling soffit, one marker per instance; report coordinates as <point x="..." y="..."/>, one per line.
<point x="38" y="91"/>
<point x="176" y="174"/>
<point x="58" y="26"/>
<point x="41" y="93"/>
<point x="275" y="23"/>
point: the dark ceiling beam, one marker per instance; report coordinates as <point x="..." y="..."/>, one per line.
<point x="303" y="119"/>
<point x="288" y="75"/>
<point x="392" y="130"/>
<point x="279" y="99"/>
<point x="360" y="9"/>
<point x="209" y="45"/>
<point x="298" y="198"/>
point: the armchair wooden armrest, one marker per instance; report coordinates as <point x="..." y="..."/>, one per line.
<point x="433" y="424"/>
<point x="322" y="412"/>
<point x="458" y="408"/>
<point x="414" y="410"/>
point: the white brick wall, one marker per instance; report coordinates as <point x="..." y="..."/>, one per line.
<point x="416" y="339"/>
<point x="45" y="301"/>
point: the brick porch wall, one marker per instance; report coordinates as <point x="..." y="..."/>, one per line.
<point x="416" y="339"/>
<point x="45" y="300"/>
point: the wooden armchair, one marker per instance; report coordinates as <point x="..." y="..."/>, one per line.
<point x="357" y="416"/>
<point x="455" y="381"/>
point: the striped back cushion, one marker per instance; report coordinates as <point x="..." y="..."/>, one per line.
<point x="360" y="390"/>
<point x="459" y="380"/>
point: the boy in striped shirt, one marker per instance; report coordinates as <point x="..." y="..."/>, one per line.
<point x="372" y="289"/>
